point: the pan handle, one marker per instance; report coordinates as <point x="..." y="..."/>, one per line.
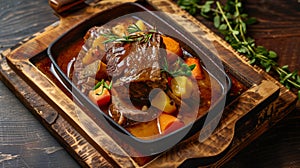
<point x="61" y="6"/>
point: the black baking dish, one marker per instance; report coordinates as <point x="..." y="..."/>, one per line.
<point x="165" y="25"/>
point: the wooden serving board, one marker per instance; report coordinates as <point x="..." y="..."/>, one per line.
<point x="261" y="105"/>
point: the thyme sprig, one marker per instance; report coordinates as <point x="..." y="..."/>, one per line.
<point x="179" y="68"/>
<point x="230" y="21"/>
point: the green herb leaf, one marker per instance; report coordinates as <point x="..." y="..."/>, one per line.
<point x="217" y="21"/>
<point x="98" y="84"/>
<point x="108" y="86"/>
<point x="192" y="67"/>
<point x="189" y="5"/>
<point x="285" y="67"/>
<point x="272" y="54"/>
<point x="252" y="61"/>
<point x="235" y="32"/>
<point x="268" y="68"/>
<point x="232" y="24"/>
<point x="104" y="84"/>
<point x="223" y="27"/>
<point x="251" y="21"/>
<point x="178" y="69"/>
<point x="206" y="6"/>
<point x="133" y="29"/>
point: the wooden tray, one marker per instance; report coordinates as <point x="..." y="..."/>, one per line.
<point x="262" y="105"/>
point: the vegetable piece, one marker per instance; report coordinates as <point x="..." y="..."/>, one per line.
<point x="96" y="49"/>
<point x="182" y="86"/>
<point x="162" y="101"/>
<point x="100" y="96"/>
<point x="140" y="24"/>
<point x="101" y="71"/>
<point x="97" y="68"/>
<point x="168" y="123"/>
<point x="119" y="30"/>
<point x="144" y="130"/>
<point x="88" y="58"/>
<point x="99" y="42"/>
<point x="173" y="48"/>
<point x="197" y="71"/>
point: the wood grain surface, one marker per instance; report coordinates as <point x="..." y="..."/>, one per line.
<point x="25" y="143"/>
<point x="277" y="29"/>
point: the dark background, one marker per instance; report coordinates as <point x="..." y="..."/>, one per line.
<point x="24" y="142"/>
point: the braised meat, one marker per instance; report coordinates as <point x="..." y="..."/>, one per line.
<point x="137" y="66"/>
<point x="135" y="69"/>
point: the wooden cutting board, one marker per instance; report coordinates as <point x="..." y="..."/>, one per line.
<point x="260" y="106"/>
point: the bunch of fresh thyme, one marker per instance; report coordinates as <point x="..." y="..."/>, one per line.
<point x="230" y="20"/>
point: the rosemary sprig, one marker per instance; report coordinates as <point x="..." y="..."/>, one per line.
<point x="230" y="20"/>
<point x="134" y="37"/>
<point x="133" y="29"/>
<point x="135" y="34"/>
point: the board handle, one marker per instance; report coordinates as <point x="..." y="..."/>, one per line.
<point x="61" y="6"/>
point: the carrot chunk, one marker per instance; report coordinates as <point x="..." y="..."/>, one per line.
<point x="169" y="123"/>
<point x="100" y="96"/>
<point x="173" y="48"/>
<point x="197" y="71"/>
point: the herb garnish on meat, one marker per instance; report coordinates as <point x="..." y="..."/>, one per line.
<point x="134" y="34"/>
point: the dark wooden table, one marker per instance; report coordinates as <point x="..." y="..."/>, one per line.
<point x="24" y="142"/>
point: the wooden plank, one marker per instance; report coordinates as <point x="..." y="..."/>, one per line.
<point x="238" y="109"/>
<point x="24" y="142"/>
<point x="51" y="119"/>
<point x="261" y="92"/>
